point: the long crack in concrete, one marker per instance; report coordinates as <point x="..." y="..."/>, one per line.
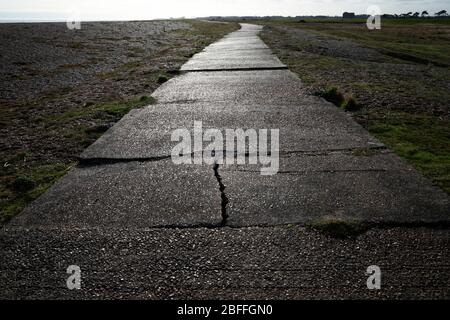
<point x="223" y="195"/>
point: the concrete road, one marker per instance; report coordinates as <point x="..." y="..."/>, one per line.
<point x="140" y="226"/>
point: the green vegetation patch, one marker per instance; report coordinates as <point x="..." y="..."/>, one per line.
<point x="162" y="78"/>
<point x="420" y="40"/>
<point x="121" y="108"/>
<point x="21" y="185"/>
<point x="334" y="96"/>
<point x="339" y="99"/>
<point x="423" y="141"/>
<point x="109" y="111"/>
<point x="365" y="152"/>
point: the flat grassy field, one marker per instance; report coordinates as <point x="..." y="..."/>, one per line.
<point x="61" y="89"/>
<point x="395" y="81"/>
<point x="425" y="42"/>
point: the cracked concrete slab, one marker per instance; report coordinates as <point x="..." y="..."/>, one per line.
<point x="376" y="189"/>
<point x="128" y="195"/>
<point x="333" y="161"/>
<point x="147" y="133"/>
<point x="237" y="87"/>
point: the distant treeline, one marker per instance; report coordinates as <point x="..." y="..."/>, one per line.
<point x="420" y="15"/>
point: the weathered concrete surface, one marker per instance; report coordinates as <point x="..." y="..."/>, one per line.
<point x="378" y="189"/>
<point x="116" y="215"/>
<point x="129" y="195"/>
<point x="242" y="49"/>
<point x="309" y="187"/>
<point x="254" y="60"/>
<point x="238" y="87"/>
<point x="147" y="133"/>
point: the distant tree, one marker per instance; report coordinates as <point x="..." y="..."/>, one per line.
<point x="441" y="13"/>
<point x="424" y="14"/>
<point x="416" y="14"/>
<point x="348" y="15"/>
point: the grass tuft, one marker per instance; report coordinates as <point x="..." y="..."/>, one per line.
<point x="334" y="96"/>
<point x="350" y="104"/>
<point x="162" y="78"/>
<point x="365" y="152"/>
<point x="23" y="184"/>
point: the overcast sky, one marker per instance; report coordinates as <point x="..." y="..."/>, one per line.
<point x="153" y="9"/>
